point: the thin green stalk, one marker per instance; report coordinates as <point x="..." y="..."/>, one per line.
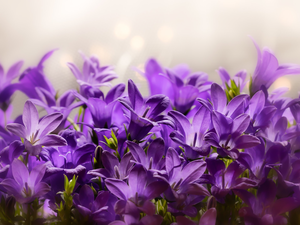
<point x="76" y="127"/>
<point x="82" y="120"/>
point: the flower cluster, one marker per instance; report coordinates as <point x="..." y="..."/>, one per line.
<point x="193" y="152"/>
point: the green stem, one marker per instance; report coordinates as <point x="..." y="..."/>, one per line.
<point x="82" y="120"/>
<point x="28" y="222"/>
<point x="76" y="127"/>
<point x="26" y="159"/>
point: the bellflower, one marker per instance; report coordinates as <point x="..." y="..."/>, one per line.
<point x="180" y="85"/>
<point x="6" y="87"/>
<point x="113" y="168"/>
<point x="92" y="76"/>
<point x="99" y="210"/>
<point x="35" y="133"/>
<point x="228" y="135"/>
<point x="26" y="187"/>
<point x="225" y="179"/>
<point x="208" y="218"/>
<point x="268" y="70"/>
<point x="191" y="136"/>
<point x="264" y="208"/>
<point x="153" y="160"/>
<point x="139" y="190"/>
<point x="239" y="78"/>
<point x="34" y="78"/>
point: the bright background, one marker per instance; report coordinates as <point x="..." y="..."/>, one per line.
<point x="203" y="34"/>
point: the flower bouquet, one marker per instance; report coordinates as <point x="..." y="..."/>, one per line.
<point x="193" y="152"/>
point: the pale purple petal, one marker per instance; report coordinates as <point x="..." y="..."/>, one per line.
<point x="119" y="188"/>
<point x="30" y="117"/>
<point x="218" y="97"/>
<point x="52" y="140"/>
<point x="209" y="217"/>
<point x="49" y="123"/>
<point x="17" y="129"/>
<point x="19" y="172"/>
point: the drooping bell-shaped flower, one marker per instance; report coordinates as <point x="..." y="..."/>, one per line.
<point x="36" y="133"/>
<point x="23" y="186"/>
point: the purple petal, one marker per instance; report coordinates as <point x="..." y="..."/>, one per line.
<point x="218" y="97"/>
<point x="193" y="171"/>
<point x="19" y="172"/>
<point x="36" y="175"/>
<point x="197" y="189"/>
<point x="209" y="217"/>
<point x="45" y="57"/>
<point x="17" y="129"/>
<point x="75" y="71"/>
<point x="225" y="77"/>
<point x="137" y="179"/>
<point x="201" y="122"/>
<point x="240" y="124"/>
<point x="117" y="222"/>
<point x="114" y="93"/>
<point x="221" y="123"/>
<point x="181" y="121"/>
<point x="156" y="188"/>
<point x="266" y="193"/>
<point x="284" y="205"/>
<point x="30" y="117"/>
<point x="214" y="165"/>
<point x="181" y="220"/>
<point x="41" y="189"/>
<point x="150" y="220"/>
<point x="172" y="160"/>
<point x="156" y="151"/>
<point x="86" y="196"/>
<point x="12" y="186"/>
<point x="119" y="188"/>
<point x="138" y="153"/>
<point x="157" y="104"/>
<point x="13" y="71"/>
<point x="109" y="161"/>
<point x="125" y="164"/>
<point x="236" y="106"/>
<point x="52" y="140"/>
<point x="246" y="141"/>
<point x="256" y="104"/>
<point x="148" y="207"/>
<point x="49" y="123"/>
<point x="135" y="96"/>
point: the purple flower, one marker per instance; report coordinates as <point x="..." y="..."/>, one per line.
<point x="113" y="168"/>
<point x="180" y="85"/>
<point x="208" y="218"/>
<point x="268" y="70"/>
<point x="92" y="76"/>
<point x="264" y="208"/>
<point x="35" y="132"/>
<point x="140" y="190"/>
<point x="33" y="79"/>
<point x="6" y="87"/>
<point x="239" y="78"/>
<point x="182" y="176"/>
<point x="226" y="179"/>
<point x="228" y="135"/>
<point x="153" y="160"/>
<point x="191" y="136"/>
<point x="100" y="210"/>
<point x="26" y="187"/>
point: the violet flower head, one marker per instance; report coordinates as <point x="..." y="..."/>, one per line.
<point x="34" y="78"/>
<point x="35" y="132"/>
<point x="138" y="191"/>
<point x="100" y="211"/>
<point x="92" y="76"/>
<point x="6" y="87"/>
<point x="23" y="186"/>
<point x="239" y="78"/>
<point x="268" y="70"/>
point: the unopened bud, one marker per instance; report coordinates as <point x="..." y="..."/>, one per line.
<point x="98" y="156"/>
<point x="10" y="206"/>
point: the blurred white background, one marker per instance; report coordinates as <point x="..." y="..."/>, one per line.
<point x="203" y="34"/>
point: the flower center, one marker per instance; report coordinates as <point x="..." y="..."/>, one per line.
<point x="27" y="192"/>
<point x="33" y="137"/>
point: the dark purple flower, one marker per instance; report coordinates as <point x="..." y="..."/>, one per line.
<point x="23" y="186"/>
<point x="35" y="132"/>
<point x="100" y="210"/>
<point x="92" y="76"/>
<point x="6" y="87"/>
<point x="264" y="208"/>
<point x="227" y="179"/>
<point x="208" y="218"/>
